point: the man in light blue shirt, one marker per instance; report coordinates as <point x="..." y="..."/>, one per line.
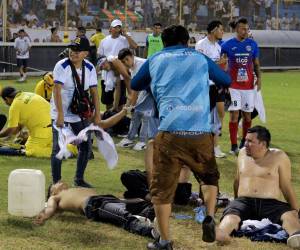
<point x="179" y="80"/>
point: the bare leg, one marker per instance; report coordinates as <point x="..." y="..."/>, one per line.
<point x="210" y="198"/>
<point x="185" y="174"/>
<point x="228" y="224"/>
<point x="149" y="159"/>
<point x="163" y="213"/>
<point x="290" y="222"/>
<point x="221" y="111"/>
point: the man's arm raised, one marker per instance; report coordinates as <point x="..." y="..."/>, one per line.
<point x="49" y="211"/>
<point x="285" y="183"/>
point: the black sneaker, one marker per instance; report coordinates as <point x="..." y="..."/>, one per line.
<point x="234" y="149"/>
<point x="82" y="183"/>
<point x="242" y="143"/>
<point x="209" y="229"/>
<point x="157" y="246"/>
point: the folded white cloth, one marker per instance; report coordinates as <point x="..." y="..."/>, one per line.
<point x="105" y="143"/>
<point x="248" y="224"/>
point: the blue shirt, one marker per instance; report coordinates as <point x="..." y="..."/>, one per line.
<point x="178" y="77"/>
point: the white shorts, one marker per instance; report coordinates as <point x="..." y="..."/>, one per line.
<point x="242" y="100"/>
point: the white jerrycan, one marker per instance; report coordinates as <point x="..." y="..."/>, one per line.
<point x="26" y="192"/>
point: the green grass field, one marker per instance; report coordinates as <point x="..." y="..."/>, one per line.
<point x="281" y="93"/>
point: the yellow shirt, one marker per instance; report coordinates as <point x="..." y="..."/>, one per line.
<point x="44" y="90"/>
<point x="32" y="111"/>
<point x="97" y="38"/>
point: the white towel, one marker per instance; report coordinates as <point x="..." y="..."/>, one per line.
<point x="259" y="106"/>
<point x="105" y="143"/>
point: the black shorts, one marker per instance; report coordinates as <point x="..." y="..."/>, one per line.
<point x="257" y="209"/>
<point x="22" y="62"/>
<point x="220" y="95"/>
<point x="107" y="98"/>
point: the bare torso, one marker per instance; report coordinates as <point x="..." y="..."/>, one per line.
<point x="259" y="178"/>
<point x="74" y="199"/>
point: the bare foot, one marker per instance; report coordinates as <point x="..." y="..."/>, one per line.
<point x="222" y="238"/>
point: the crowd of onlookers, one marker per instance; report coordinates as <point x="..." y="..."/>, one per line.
<point x="195" y="13"/>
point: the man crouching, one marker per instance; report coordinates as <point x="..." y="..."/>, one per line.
<point x="263" y="174"/>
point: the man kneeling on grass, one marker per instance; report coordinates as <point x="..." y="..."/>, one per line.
<point x="133" y="215"/>
<point x="263" y="174"/>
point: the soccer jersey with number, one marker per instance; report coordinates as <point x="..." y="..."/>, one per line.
<point x="241" y="55"/>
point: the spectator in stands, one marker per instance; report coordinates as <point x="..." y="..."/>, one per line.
<point x="285" y="22"/>
<point x="81" y="32"/>
<point x="192" y="26"/>
<point x="268" y="7"/>
<point x="268" y="23"/>
<point x="30" y="17"/>
<point x="220" y="9"/>
<point x="51" y="9"/>
<point x="211" y="8"/>
<point x="274" y="23"/>
<point x="14" y="36"/>
<point x="294" y="25"/>
<point x="17" y="6"/>
<point x="53" y="37"/>
<point x="202" y="14"/>
<point x="148" y="7"/>
<point x="22" y="47"/>
<point x="153" y="41"/>
<point x="186" y="13"/>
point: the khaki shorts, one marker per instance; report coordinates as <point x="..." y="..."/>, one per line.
<point x="171" y="152"/>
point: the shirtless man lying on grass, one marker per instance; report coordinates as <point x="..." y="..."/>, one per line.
<point x="133" y="215"/>
<point x="263" y="174"/>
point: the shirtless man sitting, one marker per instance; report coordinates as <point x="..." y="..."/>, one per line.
<point x="132" y="215"/>
<point x="263" y="173"/>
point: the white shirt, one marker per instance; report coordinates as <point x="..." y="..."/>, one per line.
<point x="111" y="46"/>
<point x="137" y="64"/>
<point x="62" y="74"/>
<point x="268" y="3"/>
<point x="51" y="4"/>
<point x="210" y="49"/>
<point x="22" y="45"/>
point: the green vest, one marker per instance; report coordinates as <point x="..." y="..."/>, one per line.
<point x="155" y="44"/>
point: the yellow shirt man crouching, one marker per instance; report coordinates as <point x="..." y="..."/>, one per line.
<point x="33" y="112"/>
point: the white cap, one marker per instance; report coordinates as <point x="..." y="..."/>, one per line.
<point x="115" y="23"/>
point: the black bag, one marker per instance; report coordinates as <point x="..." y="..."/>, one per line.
<point x="136" y="184"/>
<point x="81" y="103"/>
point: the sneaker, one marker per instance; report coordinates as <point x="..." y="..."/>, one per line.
<point x="145" y="221"/>
<point x="294" y="240"/>
<point x="234" y="150"/>
<point x="82" y="183"/>
<point x="21" y="79"/>
<point x="139" y="146"/>
<point x="242" y="143"/>
<point x="218" y="152"/>
<point x="209" y="229"/>
<point x="158" y="246"/>
<point x="125" y="143"/>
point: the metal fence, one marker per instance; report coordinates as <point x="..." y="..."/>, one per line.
<point x="43" y="57"/>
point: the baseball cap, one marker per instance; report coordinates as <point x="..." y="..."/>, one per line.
<point x="80" y="44"/>
<point x="115" y="23"/>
